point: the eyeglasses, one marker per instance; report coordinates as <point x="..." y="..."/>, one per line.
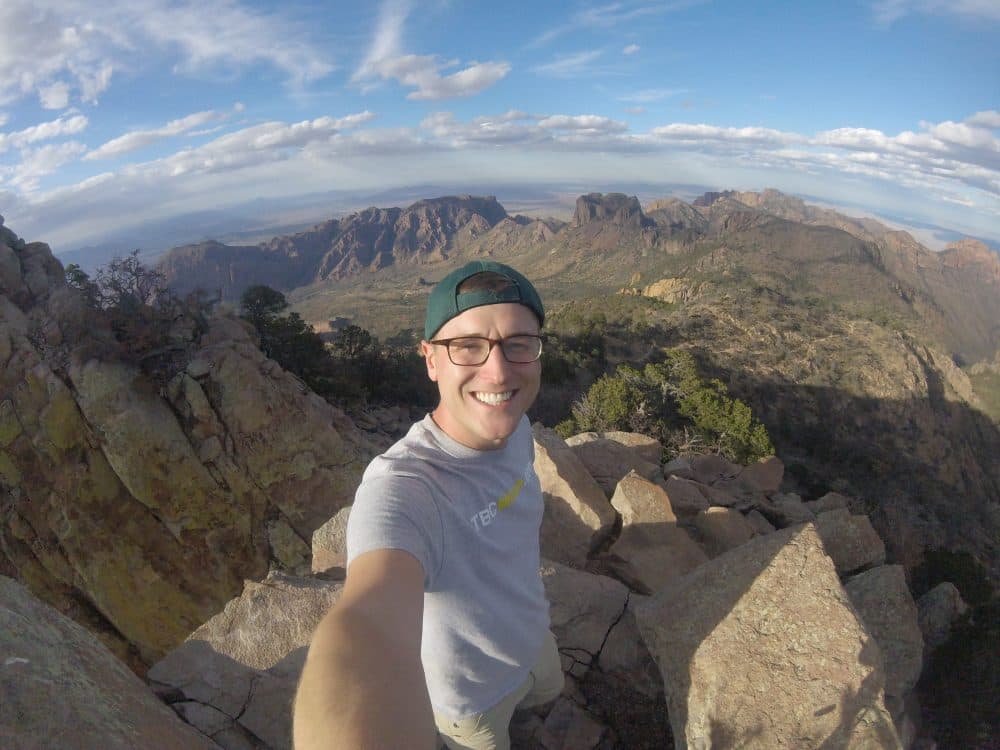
<point x="470" y="351"/>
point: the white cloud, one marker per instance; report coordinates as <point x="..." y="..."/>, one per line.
<point x="988" y="119"/>
<point x="70" y="49"/>
<point x="260" y="144"/>
<point x="137" y="139"/>
<point x="43" y="131"/>
<point x="39" y="162"/>
<point x="566" y="66"/>
<point x="691" y="133"/>
<point x="888" y="12"/>
<point x="385" y="60"/>
<point x="631" y="49"/>
<point x="423" y="72"/>
<point x="651" y="95"/>
<point x="55" y="96"/>
<point x="635" y="110"/>
<point x="613" y="14"/>
<point x="590" y="123"/>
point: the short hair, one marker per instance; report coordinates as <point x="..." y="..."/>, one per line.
<point x="488" y="281"/>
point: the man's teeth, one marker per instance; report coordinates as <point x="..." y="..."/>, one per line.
<point x="494" y="398"/>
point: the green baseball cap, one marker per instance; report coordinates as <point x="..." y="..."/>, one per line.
<point x="445" y="301"/>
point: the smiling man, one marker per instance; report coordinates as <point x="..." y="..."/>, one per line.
<point x="443" y="621"/>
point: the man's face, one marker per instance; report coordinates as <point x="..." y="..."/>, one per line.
<point x="462" y="413"/>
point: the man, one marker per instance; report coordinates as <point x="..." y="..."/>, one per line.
<point x="443" y="622"/>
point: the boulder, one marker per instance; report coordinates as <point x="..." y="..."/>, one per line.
<point x="850" y="541"/>
<point x="239" y="703"/>
<point x="937" y="611"/>
<point x="711" y="467"/>
<point x="329" y="543"/>
<point x="760" y="524"/>
<point x="625" y="655"/>
<point x="270" y="619"/>
<point x="570" y="727"/>
<point x="764" y="476"/>
<point x="245" y="662"/>
<point x="829" y="501"/>
<point x="722" y="529"/>
<point x="679" y="467"/>
<point x="61" y="688"/>
<point x="577" y="513"/>
<point x="686" y="496"/>
<point x="609" y="456"/>
<point x="653" y="549"/>
<point x="784" y="509"/>
<point x="775" y="657"/>
<point x="584" y="607"/>
<point x="883" y="600"/>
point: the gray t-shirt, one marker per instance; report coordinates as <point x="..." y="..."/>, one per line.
<point x="471" y="518"/>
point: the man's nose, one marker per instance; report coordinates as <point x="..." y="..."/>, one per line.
<point x="495" y="364"/>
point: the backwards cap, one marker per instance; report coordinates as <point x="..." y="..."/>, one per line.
<point x="446" y="302"/>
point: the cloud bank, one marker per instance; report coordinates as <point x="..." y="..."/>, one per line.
<point x="61" y="59"/>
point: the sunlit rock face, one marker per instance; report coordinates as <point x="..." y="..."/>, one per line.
<point x="139" y="508"/>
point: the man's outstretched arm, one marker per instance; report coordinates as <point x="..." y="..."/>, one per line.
<point x="363" y="686"/>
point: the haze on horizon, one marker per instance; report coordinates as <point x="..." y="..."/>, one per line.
<point x="117" y="115"/>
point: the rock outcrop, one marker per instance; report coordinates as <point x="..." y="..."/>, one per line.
<point x="61" y="688"/>
<point x="234" y="678"/>
<point x="775" y="657"/>
<point x="615" y="208"/>
<point x="139" y="509"/>
<point x="750" y="641"/>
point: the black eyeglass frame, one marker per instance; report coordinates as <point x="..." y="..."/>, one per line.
<point x="446" y="343"/>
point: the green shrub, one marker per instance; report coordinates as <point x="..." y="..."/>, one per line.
<point x="153" y="327"/>
<point x="670" y="400"/>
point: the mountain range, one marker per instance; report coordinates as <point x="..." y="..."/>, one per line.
<point x="777" y="239"/>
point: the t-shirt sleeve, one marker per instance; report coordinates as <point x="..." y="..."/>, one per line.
<point x="393" y="512"/>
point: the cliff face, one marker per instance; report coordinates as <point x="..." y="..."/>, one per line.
<point x="616" y="208"/>
<point x="138" y="510"/>
<point x="427" y="231"/>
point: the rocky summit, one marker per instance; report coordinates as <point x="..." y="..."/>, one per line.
<point x="172" y="534"/>
<point x="775" y="635"/>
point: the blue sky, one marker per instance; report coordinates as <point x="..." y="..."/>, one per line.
<point x="115" y="114"/>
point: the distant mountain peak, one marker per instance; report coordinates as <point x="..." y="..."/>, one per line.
<point x="969" y="252"/>
<point x="616" y="208"/>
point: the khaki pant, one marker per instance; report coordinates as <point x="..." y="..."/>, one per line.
<point x="490" y="729"/>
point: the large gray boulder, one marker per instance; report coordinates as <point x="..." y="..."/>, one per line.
<point x="577" y="513"/>
<point x="938" y="610"/>
<point x="722" y="529"/>
<point x="760" y="648"/>
<point x="850" y="540"/>
<point x="609" y="456"/>
<point x="653" y="549"/>
<point x="584" y="607"/>
<point x="61" y="688"/>
<point x="883" y="600"/>
<point x="234" y="678"/>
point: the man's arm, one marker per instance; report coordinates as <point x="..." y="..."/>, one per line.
<point x="363" y="686"/>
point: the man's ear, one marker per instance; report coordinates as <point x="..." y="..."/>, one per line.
<point x="427" y="352"/>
